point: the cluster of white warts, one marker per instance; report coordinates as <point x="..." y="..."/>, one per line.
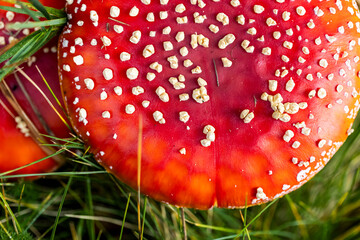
<point x="10" y="17"/>
<point x="282" y="110"/>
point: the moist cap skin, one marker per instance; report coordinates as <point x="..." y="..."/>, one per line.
<point x="240" y="102"/>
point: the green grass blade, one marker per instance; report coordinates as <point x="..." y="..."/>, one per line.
<point x="69" y="146"/>
<point x="124" y="218"/>
<point x="298" y="217"/>
<point x="21" y="196"/>
<point x="6" y="204"/>
<point x="58" y="13"/>
<point x="5" y="230"/>
<point x="65" y="140"/>
<point x="90" y="208"/>
<point x="53" y="22"/>
<point x="52" y="11"/>
<point x="143" y="219"/>
<point x="258" y="215"/>
<point x="30" y="164"/>
<point x="9" y="53"/>
<point x="40" y="8"/>
<point x="99" y="235"/>
<point x="50" y="228"/>
<point x="124" y="193"/>
<point x="245" y="220"/>
<point x="216" y="228"/>
<point x="19" y="10"/>
<point x="63" y="174"/>
<point x="60" y="208"/>
<point x="42" y="208"/>
<point x="355" y="179"/>
<point x="25" y="50"/>
<point x="263" y="234"/>
<point x="52" y="92"/>
<point x="20" y="52"/>
<point x="28" y="11"/>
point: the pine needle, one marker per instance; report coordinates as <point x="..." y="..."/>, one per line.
<point x="115" y="20"/>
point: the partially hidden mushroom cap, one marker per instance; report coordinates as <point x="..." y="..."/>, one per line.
<point x="17" y="148"/>
<point x="59" y="4"/>
<point x="240" y="102"/>
<point x="22" y="103"/>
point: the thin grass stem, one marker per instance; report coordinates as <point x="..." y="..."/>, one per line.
<point x="143" y="219"/>
<point x="124" y="218"/>
<point x="183" y="223"/>
<point x="45" y="97"/>
<point x="8" y="208"/>
<point x="60" y="207"/>
<point x="90" y="208"/>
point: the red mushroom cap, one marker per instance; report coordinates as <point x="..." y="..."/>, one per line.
<point x="241" y="102"/>
<point x="17" y="147"/>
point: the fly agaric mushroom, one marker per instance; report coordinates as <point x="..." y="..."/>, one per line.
<point x="239" y="102"/>
<point x="17" y="148"/>
<point x="24" y="112"/>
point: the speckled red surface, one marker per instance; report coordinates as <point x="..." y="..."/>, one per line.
<point x="248" y="163"/>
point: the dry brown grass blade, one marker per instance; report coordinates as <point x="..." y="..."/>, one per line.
<point x="73" y="231"/>
<point x="6" y="91"/>
<point x="3" y="105"/>
<point x="44" y="96"/>
<point x="33" y="106"/>
<point x="8" y="46"/>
